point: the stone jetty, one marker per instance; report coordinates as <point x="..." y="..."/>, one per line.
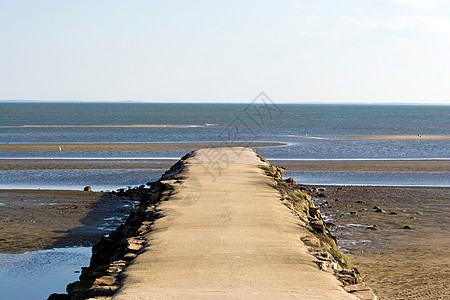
<point x="221" y="224"/>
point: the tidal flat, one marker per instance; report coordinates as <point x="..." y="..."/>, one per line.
<point x="397" y="237"/>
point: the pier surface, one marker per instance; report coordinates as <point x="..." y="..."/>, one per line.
<point x="225" y="234"/>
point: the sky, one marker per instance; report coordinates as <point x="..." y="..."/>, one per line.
<point x="296" y="51"/>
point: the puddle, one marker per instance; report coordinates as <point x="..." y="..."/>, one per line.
<point x="37" y="274"/>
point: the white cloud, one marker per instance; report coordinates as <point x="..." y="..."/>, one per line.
<point x="412" y="24"/>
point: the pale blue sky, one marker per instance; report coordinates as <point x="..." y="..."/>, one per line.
<point x="226" y="51"/>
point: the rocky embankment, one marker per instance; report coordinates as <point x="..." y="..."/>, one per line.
<point x="112" y="254"/>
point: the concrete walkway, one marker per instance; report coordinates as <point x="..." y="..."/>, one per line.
<point x="226" y="235"/>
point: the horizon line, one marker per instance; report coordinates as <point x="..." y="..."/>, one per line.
<point x="230" y="102"/>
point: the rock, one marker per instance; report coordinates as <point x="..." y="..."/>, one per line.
<point x="314" y="212"/>
<point x="321" y="194"/>
<point x="129" y="256"/>
<point x="376" y="207"/>
<point x="56" y="296"/>
<point x="327" y="265"/>
<point x="353" y="212"/>
<point x="365" y="295"/>
<point x="105" y="280"/>
<point x="318" y="226"/>
<point x="323" y="255"/>
<point x="393" y="213"/>
<point x="359" y="201"/>
<point x="379" y="210"/>
<point x="102" y="291"/>
<point x="347" y="279"/>
<point x="168" y="182"/>
<point x="290" y="181"/>
<point x="134" y="244"/>
<point x="356" y="288"/>
<point x="374" y="227"/>
<point x="87" y="189"/>
<point x="419" y="213"/>
<point x="311" y="241"/>
<point x="407" y="227"/>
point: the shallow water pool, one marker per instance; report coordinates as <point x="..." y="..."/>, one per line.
<point x="37" y="274"/>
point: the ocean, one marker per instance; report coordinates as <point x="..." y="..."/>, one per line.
<point x="314" y="132"/>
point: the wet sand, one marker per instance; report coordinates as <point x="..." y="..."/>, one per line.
<point x="384" y="137"/>
<point x="130" y="146"/>
<point x="65" y="164"/>
<point x="306" y="165"/>
<point x="397" y="263"/>
<point x="37" y="219"/>
<point x="366" y="165"/>
<point x="397" y="137"/>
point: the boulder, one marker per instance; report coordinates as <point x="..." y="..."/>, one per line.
<point x="56" y="296"/>
<point x="87" y="189"/>
<point x="318" y="226"/>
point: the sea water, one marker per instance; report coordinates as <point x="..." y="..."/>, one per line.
<point x="309" y="132"/>
<point x="37" y="274"/>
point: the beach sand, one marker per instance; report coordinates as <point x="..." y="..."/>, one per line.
<point x="397" y="263"/>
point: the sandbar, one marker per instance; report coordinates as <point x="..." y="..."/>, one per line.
<point x="130" y="146"/>
<point x="297" y="165"/>
<point x="396" y="137"/>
